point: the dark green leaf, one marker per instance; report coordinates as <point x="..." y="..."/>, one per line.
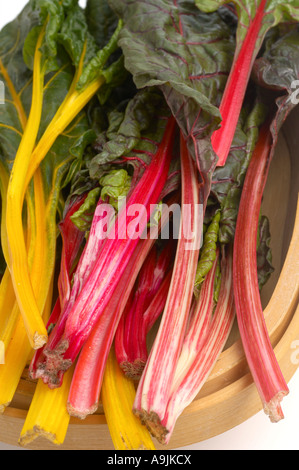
<point x="278" y="69"/>
<point x="264" y="254"/>
<point x="130" y="131"/>
<point x="101" y="21"/>
<point x="188" y="54"/>
<point x="228" y="180"/>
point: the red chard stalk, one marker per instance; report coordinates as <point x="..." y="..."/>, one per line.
<point x="255" y="19"/>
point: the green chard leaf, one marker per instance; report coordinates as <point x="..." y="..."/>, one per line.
<point x="228" y="180"/>
<point x="188" y="55"/>
<point x="132" y="137"/>
<point x="83" y="217"/>
<point x="101" y="21"/>
<point x="264" y="254"/>
<point x="115" y="186"/>
<point x="278" y="69"/>
<point x="208" y="251"/>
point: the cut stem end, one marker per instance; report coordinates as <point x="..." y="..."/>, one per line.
<point x="273" y="408"/>
<point x="39" y="340"/>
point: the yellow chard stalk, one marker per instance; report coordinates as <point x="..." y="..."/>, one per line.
<point x="33" y="322"/>
<point x="17" y="354"/>
<point x="47" y="416"/>
<point x="27" y="161"/>
<point x="118" y="394"/>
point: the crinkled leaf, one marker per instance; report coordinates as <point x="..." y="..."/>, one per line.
<point x="228" y="180"/>
<point x="188" y="54"/>
<point x="278" y="69"/>
<point x="96" y="65"/>
<point x="66" y="25"/>
<point x="82" y="218"/>
<point x="264" y="254"/>
<point x="173" y="43"/>
<point x="208" y="251"/>
<point x="101" y="21"/>
<point x="126" y="127"/>
<point x="74" y="35"/>
<point x="115" y="186"/>
<point x="134" y="132"/>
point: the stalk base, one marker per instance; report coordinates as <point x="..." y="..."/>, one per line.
<point x="133" y="370"/>
<point x="52" y="370"/>
<point x="153" y="424"/>
<point x="81" y="414"/>
<point x="273" y="408"/>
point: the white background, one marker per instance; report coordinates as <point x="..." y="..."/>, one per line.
<point x="255" y="434"/>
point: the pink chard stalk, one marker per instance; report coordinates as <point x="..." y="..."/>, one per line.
<point x="255" y="338"/>
<point x="115" y="252"/>
<point x="201" y="351"/>
<point x="156" y="382"/>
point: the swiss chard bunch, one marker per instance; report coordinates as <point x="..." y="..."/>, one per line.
<point x="110" y="124"/>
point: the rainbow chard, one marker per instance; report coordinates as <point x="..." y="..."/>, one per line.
<point x="255" y="19"/>
<point x="112" y="259"/>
